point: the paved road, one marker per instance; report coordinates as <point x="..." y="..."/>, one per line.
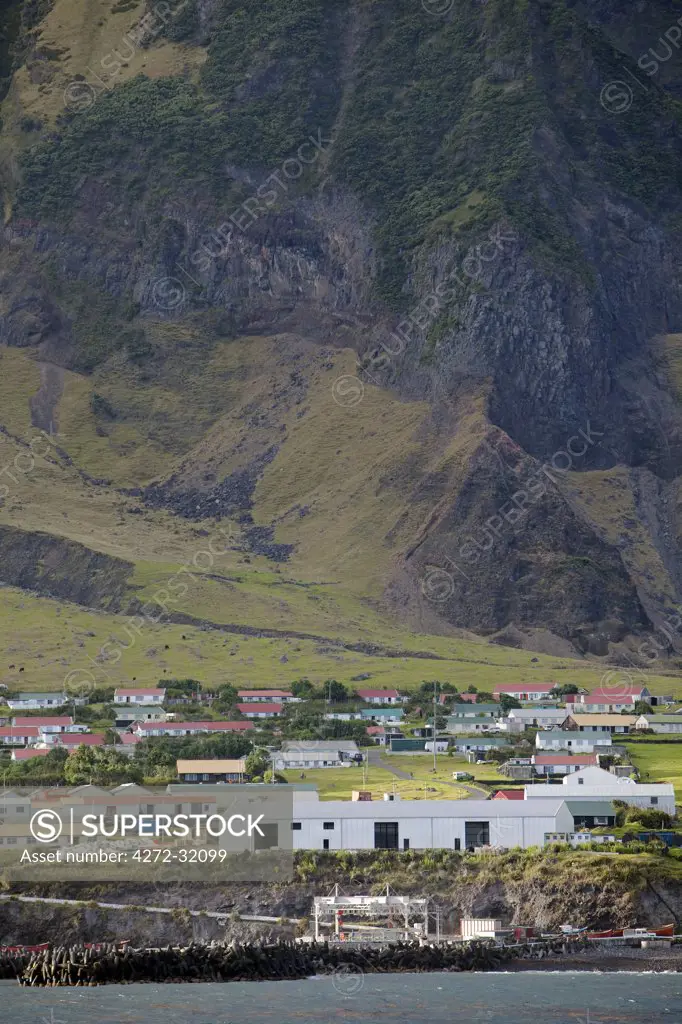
<point x="374" y="757"/>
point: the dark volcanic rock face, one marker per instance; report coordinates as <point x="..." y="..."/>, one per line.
<point x="233" y="494"/>
<point x="466" y="201"/>
<point x="55" y="567"/>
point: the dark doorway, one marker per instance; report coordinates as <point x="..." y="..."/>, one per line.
<point x="476" y="833"/>
<point x="385" y="835"/>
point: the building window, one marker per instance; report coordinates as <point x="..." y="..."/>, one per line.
<point x="476" y="833"/>
<point x="581" y="782"/>
<point x="296" y="826"/>
<point x="385" y="835"/>
<point x="654" y="801"/>
<point x="325" y="844"/>
<point x="458" y="844"/>
<point x="406" y="844"/>
<point x="328" y="826"/>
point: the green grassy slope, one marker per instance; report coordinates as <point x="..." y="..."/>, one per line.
<point x="433" y="123"/>
<point x="54" y="640"/>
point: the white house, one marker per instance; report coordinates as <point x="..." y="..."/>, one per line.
<point x="424" y="824"/>
<point x="562" y="764"/>
<point x="524" y="691"/>
<point x="382" y="715"/>
<point x="576" y="742"/>
<point x="326" y="757"/>
<point x="534" y="718"/>
<point x="611" y="700"/>
<point x="146" y="729"/>
<point x="587" y="723"/>
<point x="139" y="695"/>
<point x="665" y="724"/>
<point x="49" y="724"/>
<point x="128" y="713"/>
<point x="23" y="736"/>
<point x="456" y="725"/>
<point x="343" y="716"/>
<point x="597" y="784"/>
<point x="380" y="696"/>
<point x="36" y="701"/>
<point x="259" y="709"/>
<point x="441" y="746"/>
<point x="475" y="711"/>
<point x="267" y="697"/>
<point x="480" y="743"/>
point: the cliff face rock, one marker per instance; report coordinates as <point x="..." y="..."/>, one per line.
<point x="467" y="201"/>
<point x="613" y="898"/>
<point x="54" y="567"/>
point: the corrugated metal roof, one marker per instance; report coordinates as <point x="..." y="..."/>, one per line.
<point x="598" y="808"/>
<point x="664" y="719"/>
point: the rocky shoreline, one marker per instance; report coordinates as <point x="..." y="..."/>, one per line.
<point x="284" y="959"/>
<point x="607" y="957"/>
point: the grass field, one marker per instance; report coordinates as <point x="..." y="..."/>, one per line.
<point x="658" y="762"/>
<point x="421" y="766"/>
<point x="51" y="639"/>
<point x="338" y="784"/>
<point x="331" y="588"/>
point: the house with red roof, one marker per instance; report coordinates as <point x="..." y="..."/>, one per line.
<point x="612" y="700"/>
<point x="139" y="695"/>
<point x="19" y="736"/>
<point x="128" y="742"/>
<point x="380" y="696"/>
<point x="524" y="691"/>
<point x="26" y="753"/>
<point x="562" y="764"/>
<point x="73" y="740"/>
<point x="508" y="794"/>
<point x="260" y="710"/>
<point x="49" y="723"/>
<point x="267" y="696"/>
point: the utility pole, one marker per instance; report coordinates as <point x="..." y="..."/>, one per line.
<point x="433" y="731"/>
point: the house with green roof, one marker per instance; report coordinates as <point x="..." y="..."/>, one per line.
<point x="667" y="725"/>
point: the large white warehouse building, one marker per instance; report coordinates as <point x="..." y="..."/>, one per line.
<point x="425" y="824"/>
<point x="596" y="784"/>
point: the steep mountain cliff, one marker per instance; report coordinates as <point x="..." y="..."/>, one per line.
<point x="390" y="286"/>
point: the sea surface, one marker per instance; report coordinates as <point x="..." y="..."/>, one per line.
<point x="542" y="998"/>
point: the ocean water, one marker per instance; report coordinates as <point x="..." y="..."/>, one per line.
<point x="527" y="998"/>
